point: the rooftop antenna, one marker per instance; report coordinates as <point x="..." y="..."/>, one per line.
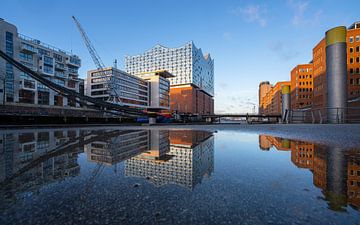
<point x="115" y="63"/>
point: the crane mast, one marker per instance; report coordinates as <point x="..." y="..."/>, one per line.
<point x="113" y="95"/>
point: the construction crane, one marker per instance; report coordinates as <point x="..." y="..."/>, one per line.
<point x="113" y="95"/>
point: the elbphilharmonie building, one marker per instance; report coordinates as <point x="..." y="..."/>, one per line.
<point x="192" y="88"/>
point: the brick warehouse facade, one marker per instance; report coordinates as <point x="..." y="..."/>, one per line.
<point x="309" y="82"/>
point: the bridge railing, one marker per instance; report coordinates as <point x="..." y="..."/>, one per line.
<point x="325" y="115"/>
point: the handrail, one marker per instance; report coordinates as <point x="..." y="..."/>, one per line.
<point x="326" y="114"/>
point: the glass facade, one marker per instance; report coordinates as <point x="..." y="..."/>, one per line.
<point x="9" y="77"/>
<point x="187" y="63"/>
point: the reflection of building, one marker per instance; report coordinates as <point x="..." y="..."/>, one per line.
<point x="266" y="142"/>
<point x="335" y="171"/>
<point x="21" y="149"/>
<point x="123" y="146"/>
<point x="302" y="154"/>
<point x="192" y="88"/>
<point x="353" y="181"/>
<point x="189" y="158"/>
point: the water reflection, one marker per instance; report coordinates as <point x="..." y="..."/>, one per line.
<point x="336" y="171"/>
<point x="32" y="159"/>
<point x="184" y="160"/>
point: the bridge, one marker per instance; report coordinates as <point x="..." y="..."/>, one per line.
<point x="249" y="118"/>
<point x="115" y="109"/>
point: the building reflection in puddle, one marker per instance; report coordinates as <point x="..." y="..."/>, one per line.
<point x="183" y="159"/>
<point x="336" y="171"/>
<point x="30" y="160"/>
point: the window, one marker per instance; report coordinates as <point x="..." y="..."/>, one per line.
<point x="357" y="38"/>
<point x="351" y="39"/>
<point x="351" y="50"/>
<point x="351" y="71"/>
<point x="357" y="59"/>
<point x="357" y="48"/>
<point x="358" y="70"/>
<point x="351" y="60"/>
<point x="48" y="69"/>
<point x="351" y="81"/>
<point x="26" y="57"/>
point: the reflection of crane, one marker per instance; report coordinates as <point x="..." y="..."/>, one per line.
<point x="113" y="95"/>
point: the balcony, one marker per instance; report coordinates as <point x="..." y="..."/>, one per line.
<point x="60" y="66"/>
<point x="73" y="71"/>
<point x="26" y="48"/>
<point x="73" y="61"/>
<point x="60" y="74"/>
<point x="27" y="84"/>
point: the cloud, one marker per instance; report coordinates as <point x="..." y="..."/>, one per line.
<point x="227" y="36"/>
<point x="302" y="13"/>
<point x="252" y="13"/>
<point x="282" y="51"/>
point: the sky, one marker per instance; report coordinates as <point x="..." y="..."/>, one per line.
<point x="250" y="41"/>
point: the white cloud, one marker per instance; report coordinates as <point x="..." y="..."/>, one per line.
<point x="302" y="13"/>
<point x="252" y="13"/>
<point x="227" y="35"/>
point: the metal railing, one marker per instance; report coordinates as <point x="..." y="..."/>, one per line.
<point x="324" y="115"/>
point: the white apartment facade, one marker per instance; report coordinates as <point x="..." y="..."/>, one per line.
<point x="130" y="90"/>
<point x="159" y="88"/>
<point x="54" y="64"/>
<point x="148" y="90"/>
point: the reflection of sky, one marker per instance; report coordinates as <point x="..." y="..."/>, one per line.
<point x="251" y="41"/>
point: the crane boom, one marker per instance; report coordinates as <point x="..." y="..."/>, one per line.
<point x="94" y="55"/>
<point x="113" y="94"/>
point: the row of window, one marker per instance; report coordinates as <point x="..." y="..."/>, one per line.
<point x="305" y="89"/>
<point x="355" y="81"/>
<point x="356" y="71"/>
<point x="305" y="83"/>
<point x="357" y="39"/>
<point x="357" y="49"/>
<point x="305" y="76"/>
<point x="351" y="60"/>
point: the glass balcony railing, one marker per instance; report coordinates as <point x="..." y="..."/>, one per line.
<point x="73" y="71"/>
<point x="60" y="66"/>
<point x="59" y="74"/>
<point x="28" y="48"/>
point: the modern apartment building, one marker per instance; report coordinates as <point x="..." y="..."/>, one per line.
<point x="192" y="87"/>
<point x="148" y="90"/>
<point x="131" y="90"/>
<point x="302" y="85"/>
<point x="159" y="88"/>
<point x="54" y="64"/>
<point x="271" y="103"/>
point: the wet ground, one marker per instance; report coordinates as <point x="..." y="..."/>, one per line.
<point x="163" y="175"/>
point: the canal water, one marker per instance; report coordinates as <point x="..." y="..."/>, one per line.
<point x="110" y="176"/>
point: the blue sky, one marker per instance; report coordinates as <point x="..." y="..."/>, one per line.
<point x="251" y="41"/>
